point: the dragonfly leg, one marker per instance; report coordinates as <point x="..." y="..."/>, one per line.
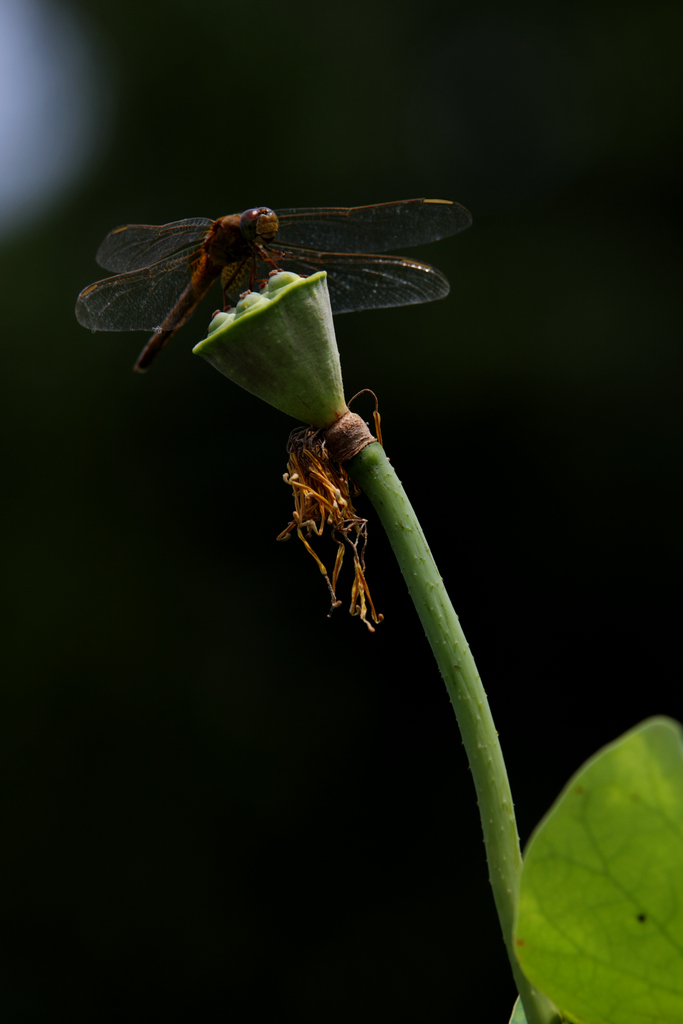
<point x="269" y="256"/>
<point x="273" y="256"/>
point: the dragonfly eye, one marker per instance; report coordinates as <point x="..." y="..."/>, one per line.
<point x="259" y="224"/>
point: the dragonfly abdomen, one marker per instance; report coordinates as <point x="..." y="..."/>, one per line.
<point x="203" y="277"/>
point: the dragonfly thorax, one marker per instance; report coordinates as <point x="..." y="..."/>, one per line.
<point x="224" y="242"/>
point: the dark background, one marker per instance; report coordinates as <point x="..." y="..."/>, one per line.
<point x="219" y="804"/>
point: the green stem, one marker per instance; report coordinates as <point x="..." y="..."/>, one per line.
<point x="375" y="476"/>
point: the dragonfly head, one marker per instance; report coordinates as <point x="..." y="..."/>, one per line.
<point x="259" y="225"/>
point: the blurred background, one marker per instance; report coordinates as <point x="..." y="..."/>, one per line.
<point x="218" y="804"/>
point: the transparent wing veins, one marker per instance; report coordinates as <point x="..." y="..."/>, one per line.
<point x="358" y="281"/>
<point x="375" y="228"/>
<point x="140" y="300"/>
<point x="134" y="246"/>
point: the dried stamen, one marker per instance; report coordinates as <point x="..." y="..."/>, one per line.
<point x="323" y="495"/>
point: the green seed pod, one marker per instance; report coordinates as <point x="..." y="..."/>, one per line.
<point x="279" y="345"/>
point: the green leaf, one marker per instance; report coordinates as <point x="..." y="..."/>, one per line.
<point x="518" y="1015"/>
<point x="600" y="917"/>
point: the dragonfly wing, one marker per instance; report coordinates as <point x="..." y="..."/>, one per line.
<point x="134" y="246"/>
<point x="370" y="282"/>
<point x="373" y="229"/>
<point x="141" y="300"/>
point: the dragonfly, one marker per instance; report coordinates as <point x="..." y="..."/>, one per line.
<point x="163" y="272"/>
